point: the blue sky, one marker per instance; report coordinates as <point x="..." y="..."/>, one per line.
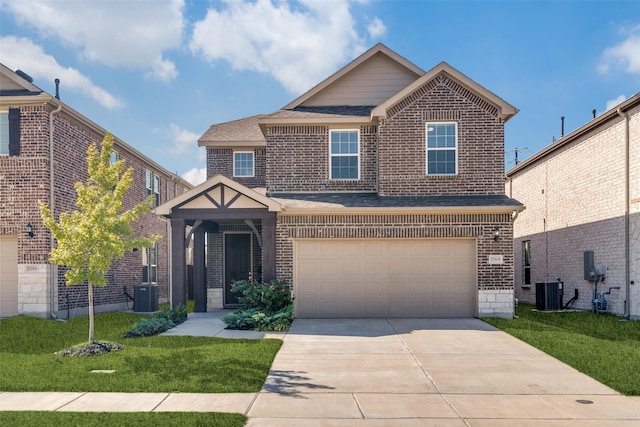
<point x="158" y="73"/>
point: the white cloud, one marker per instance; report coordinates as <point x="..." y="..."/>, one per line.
<point x="298" y="43"/>
<point x="196" y="175"/>
<point x="113" y="33"/>
<point x="23" y="54"/>
<point x="183" y="140"/>
<point x="376" y="28"/>
<point x="625" y="54"/>
<point x="614" y="102"/>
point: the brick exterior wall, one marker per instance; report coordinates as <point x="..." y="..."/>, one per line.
<point x="403" y="143"/>
<point x="220" y="162"/>
<point x="24" y="180"/>
<point x="298" y="159"/>
<point x="575" y="202"/>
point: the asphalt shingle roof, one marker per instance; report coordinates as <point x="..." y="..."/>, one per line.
<point x="372" y="200"/>
<point x="246" y="129"/>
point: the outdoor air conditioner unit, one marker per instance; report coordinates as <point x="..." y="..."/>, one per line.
<point x="549" y="296"/>
<point x="145" y="298"/>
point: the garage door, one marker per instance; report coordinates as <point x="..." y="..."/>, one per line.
<point x="8" y="276"/>
<point x="384" y="278"/>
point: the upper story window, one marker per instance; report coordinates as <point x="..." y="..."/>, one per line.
<point x="4" y="133"/>
<point x="10" y="132"/>
<point x="243" y="164"/>
<point x="345" y="154"/>
<point x="442" y="148"/>
<point x="152" y="185"/>
<point x="156" y="189"/>
<point x="114" y="157"/>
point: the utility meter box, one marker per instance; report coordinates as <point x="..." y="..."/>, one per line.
<point x="145" y="298"/>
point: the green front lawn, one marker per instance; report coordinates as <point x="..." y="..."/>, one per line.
<point x="28" y="360"/>
<point x="602" y="346"/>
<point x="101" y="419"/>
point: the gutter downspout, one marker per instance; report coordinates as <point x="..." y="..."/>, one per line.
<point x="627" y="255"/>
<point x="52" y="270"/>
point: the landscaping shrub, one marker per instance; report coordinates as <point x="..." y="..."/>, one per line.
<point x="265" y="306"/>
<point x="163" y="320"/>
<point x="176" y="315"/>
<point x="266" y="297"/>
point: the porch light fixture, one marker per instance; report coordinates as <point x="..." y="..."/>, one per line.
<point x="496" y="234"/>
<point x="30" y="230"/>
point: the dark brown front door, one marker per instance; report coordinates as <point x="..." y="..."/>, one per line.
<point x="237" y="263"/>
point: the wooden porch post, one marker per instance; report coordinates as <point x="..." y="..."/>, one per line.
<point x="178" y="263"/>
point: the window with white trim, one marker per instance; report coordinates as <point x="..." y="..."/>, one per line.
<point x="150" y="264"/>
<point x="156" y="189"/>
<point x="243" y="164"/>
<point x="345" y="154"/>
<point x="152" y="185"/>
<point x="442" y="148"/>
<point x="4" y="133"/>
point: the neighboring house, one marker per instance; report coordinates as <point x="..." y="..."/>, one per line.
<point x="377" y="193"/>
<point x="43" y="146"/>
<point x="582" y="194"/>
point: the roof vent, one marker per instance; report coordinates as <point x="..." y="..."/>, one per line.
<point x="24" y="75"/>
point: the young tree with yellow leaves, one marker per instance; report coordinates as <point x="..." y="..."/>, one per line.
<point x="99" y="230"/>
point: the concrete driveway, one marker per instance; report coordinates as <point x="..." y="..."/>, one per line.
<point x="422" y="372"/>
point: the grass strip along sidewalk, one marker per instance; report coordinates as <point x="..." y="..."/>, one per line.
<point x="29" y="362"/>
<point x="605" y="347"/>
<point x="101" y="419"/>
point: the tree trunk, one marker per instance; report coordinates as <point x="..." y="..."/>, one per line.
<point x="90" y="291"/>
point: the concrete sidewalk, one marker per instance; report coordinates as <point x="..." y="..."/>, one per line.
<point x="387" y="372"/>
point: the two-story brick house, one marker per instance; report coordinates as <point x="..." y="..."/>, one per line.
<point x="43" y="146"/>
<point x="377" y="193"/>
<point x="582" y="194"/>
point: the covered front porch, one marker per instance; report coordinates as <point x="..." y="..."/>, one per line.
<point x="226" y="231"/>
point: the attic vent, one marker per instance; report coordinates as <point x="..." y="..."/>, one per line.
<point x="24" y="75"/>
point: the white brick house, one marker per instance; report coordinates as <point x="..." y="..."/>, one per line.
<point x="582" y="193"/>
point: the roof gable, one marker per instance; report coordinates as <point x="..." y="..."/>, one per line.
<point x="367" y="80"/>
<point x="218" y="192"/>
<point x="16" y="83"/>
<point x="237" y="133"/>
<point x="504" y="109"/>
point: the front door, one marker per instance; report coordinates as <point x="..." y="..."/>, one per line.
<point x="237" y="263"/>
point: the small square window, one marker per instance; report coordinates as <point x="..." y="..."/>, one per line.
<point x="243" y="165"/>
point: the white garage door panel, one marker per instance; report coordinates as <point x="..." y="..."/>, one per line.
<point x="8" y="276"/>
<point x="385" y="278"/>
